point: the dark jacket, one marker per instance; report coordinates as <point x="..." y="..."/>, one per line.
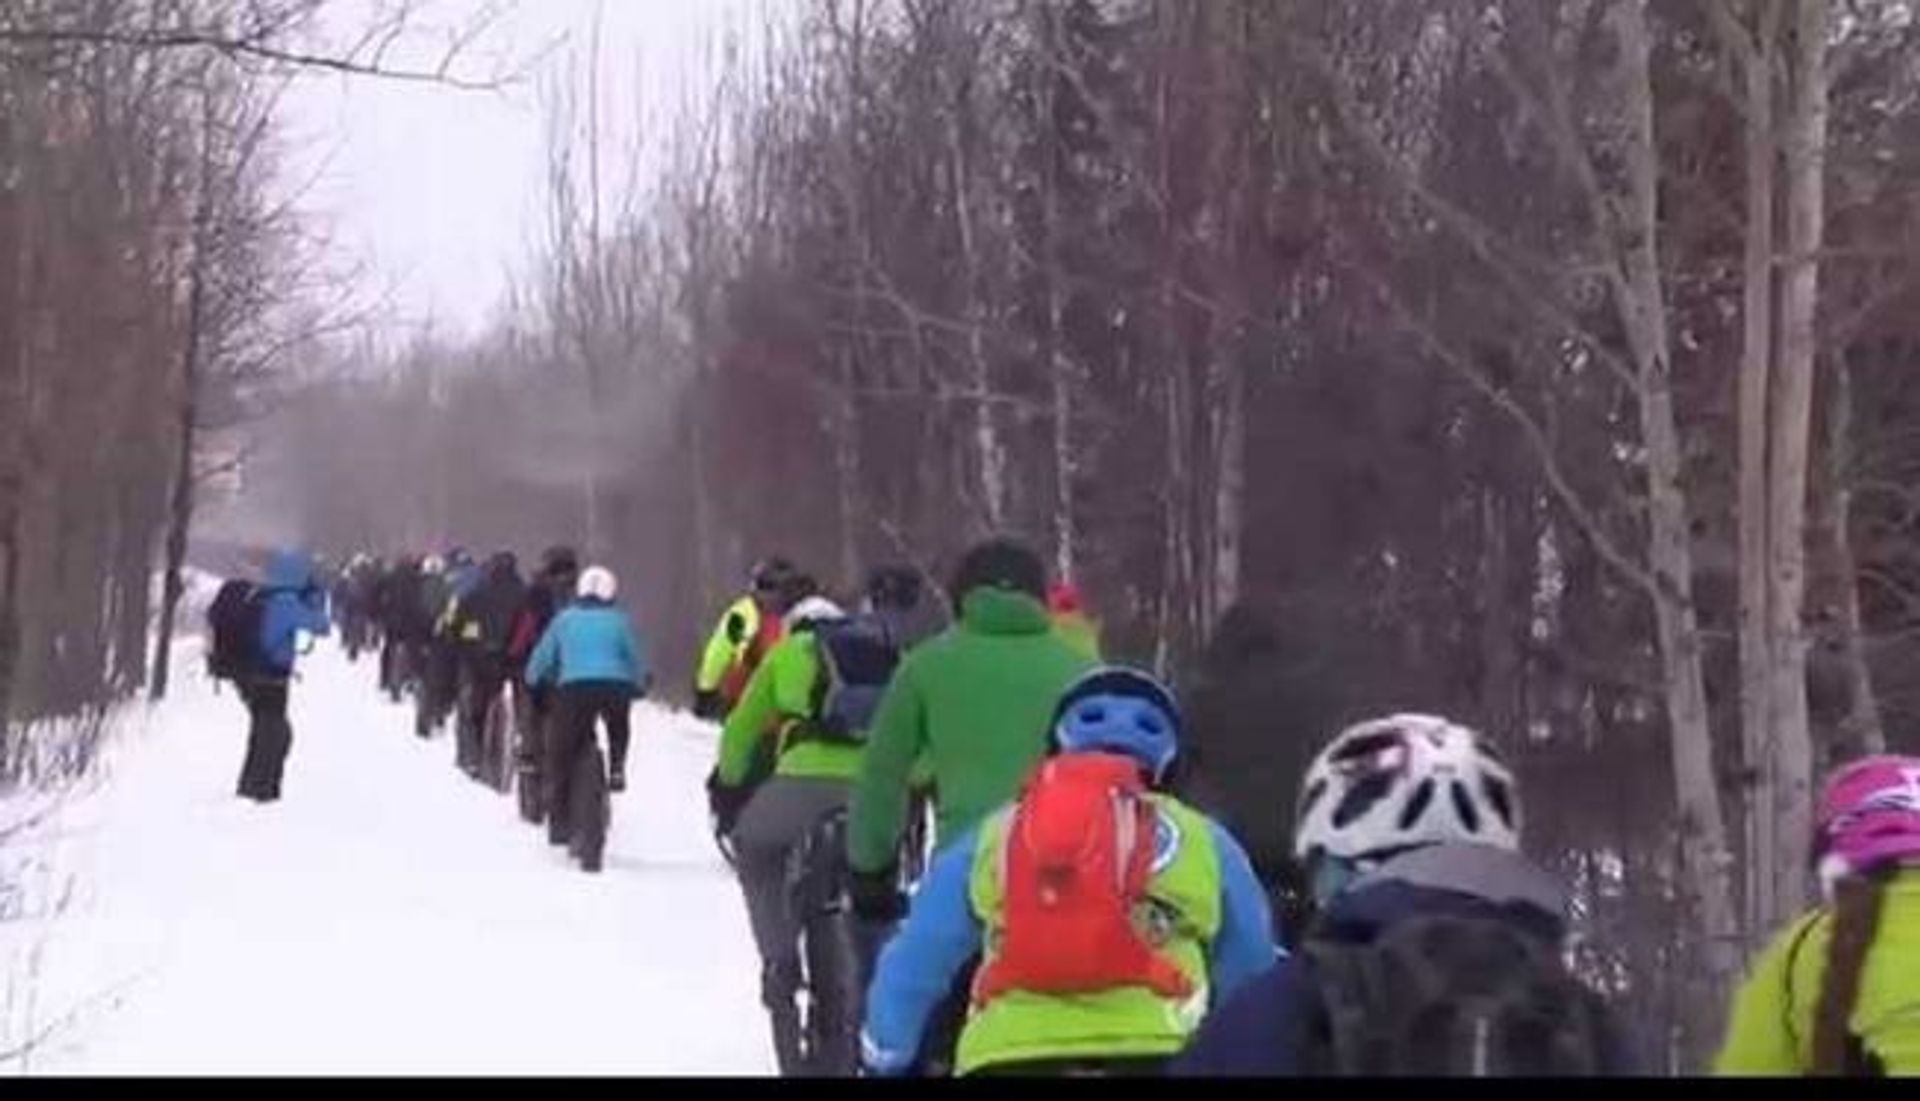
<point x="486" y="613"/>
<point x="1257" y="709"/>
<point x="1262" y="1030"/>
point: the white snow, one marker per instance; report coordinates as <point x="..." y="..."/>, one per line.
<point x="387" y="916"/>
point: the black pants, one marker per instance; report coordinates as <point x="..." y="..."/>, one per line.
<point x="578" y="709"/>
<point x="483" y="677"/>
<point x="269" y="737"/>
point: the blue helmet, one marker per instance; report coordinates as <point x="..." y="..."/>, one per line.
<point x="1120" y="710"/>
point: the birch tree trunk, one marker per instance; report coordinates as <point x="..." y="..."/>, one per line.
<point x="1756" y="370"/>
<point x="989" y="450"/>
<point x="1644" y="316"/>
<point x="1805" y="151"/>
<point x="1861" y="732"/>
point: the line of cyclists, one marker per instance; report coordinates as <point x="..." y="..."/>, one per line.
<point x="525" y="670"/>
<point x="962" y="849"/>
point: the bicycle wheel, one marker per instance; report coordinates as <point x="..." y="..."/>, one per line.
<point x="592" y="809"/>
<point x="831" y="950"/>
<point x="529" y="750"/>
<point x="494" y="763"/>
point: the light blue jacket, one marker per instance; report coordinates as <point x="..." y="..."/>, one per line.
<point x="590" y="641"/>
<point x="919" y="965"/>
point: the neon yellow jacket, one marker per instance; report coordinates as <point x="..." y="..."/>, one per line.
<point x="1771" y="1030"/>
<point x="728" y="644"/>
<point x="1078" y="631"/>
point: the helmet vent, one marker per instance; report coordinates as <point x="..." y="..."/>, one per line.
<point x="1417" y="804"/>
<point x="1360" y="798"/>
<point x="1463" y="805"/>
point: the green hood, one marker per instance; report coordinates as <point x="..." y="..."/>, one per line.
<point x="1003" y="612"/>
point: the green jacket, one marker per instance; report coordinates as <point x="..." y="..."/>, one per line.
<point x="975" y="702"/>
<point x="777" y="702"/>
<point x="1771" y="1030"/>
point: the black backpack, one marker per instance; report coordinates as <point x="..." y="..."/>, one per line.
<point x="235" y="618"/>
<point x="1452" y="997"/>
<point x="857" y="659"/>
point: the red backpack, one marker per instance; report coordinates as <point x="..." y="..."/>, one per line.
<point x="734" y="684"/>
<point x="1077" y="859"/>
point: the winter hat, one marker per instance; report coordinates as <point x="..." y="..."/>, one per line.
<point x="894" y="587"/>
<point x="1121" y="710"/>
<point x="1000" y="563"/>
<point x="1869" y="818"/>
<point x="598" y="583"/>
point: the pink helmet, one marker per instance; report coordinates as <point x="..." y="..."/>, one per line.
<point x="1870" y="815"/>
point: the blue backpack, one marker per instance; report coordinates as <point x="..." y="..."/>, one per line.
<point x="857" y="659"/>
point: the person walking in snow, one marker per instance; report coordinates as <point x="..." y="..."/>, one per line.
<point x="292" y="600"/>
<point x="591" y="653"/>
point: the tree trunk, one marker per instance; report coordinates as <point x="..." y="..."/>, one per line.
<point x="186" y="423"/>
<point x="1756" y="370"/>
<point x="1805" y="149"/>
<point x="1861" y="730"/>
<point x="1644" y="317"/>
<point x="989" y="450"/>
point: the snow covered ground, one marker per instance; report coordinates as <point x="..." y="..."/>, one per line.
<point x="388" y="916"/>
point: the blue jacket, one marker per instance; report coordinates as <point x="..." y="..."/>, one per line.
<point x="590" y="641"/>
<point x="1261" y="1030"/>
<point x="295" y="602"/>
<point x="919" y="966"/>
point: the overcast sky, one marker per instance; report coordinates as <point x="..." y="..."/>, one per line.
<point x="439" y="190"/>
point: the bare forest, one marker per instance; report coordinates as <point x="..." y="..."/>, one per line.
<point x="1550" y="364"/>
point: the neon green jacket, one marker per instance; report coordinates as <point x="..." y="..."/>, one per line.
<point x="1771" y="1030"/>
<point x="975" y="702"/>
<point x="777" y="703"/>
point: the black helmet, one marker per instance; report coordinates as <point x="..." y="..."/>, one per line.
<point x="1000" y="563"/>
<point x="559" y="561"/>
<point x="894" y="587"/>
<point x="774" y="577"/>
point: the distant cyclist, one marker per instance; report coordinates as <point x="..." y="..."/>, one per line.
<point x="591" y="653"/>
<point x="746" y="633"/>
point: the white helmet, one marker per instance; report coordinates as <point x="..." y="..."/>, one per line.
<point x="812" y="610"/>
<point x="1404" y="782"/>
<point x="433" y="565"/>
<point x="597" y="582"/>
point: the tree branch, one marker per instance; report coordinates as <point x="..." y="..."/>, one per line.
<point x="259" y="49"/>
<point x="1530" y="430"/>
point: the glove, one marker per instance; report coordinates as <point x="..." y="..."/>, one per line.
<point x="876" y="896"/>
<point x="725" y="802"/>
<point x="706" y="705"/>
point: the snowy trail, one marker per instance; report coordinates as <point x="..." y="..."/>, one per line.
<point x="387" y="916"/>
